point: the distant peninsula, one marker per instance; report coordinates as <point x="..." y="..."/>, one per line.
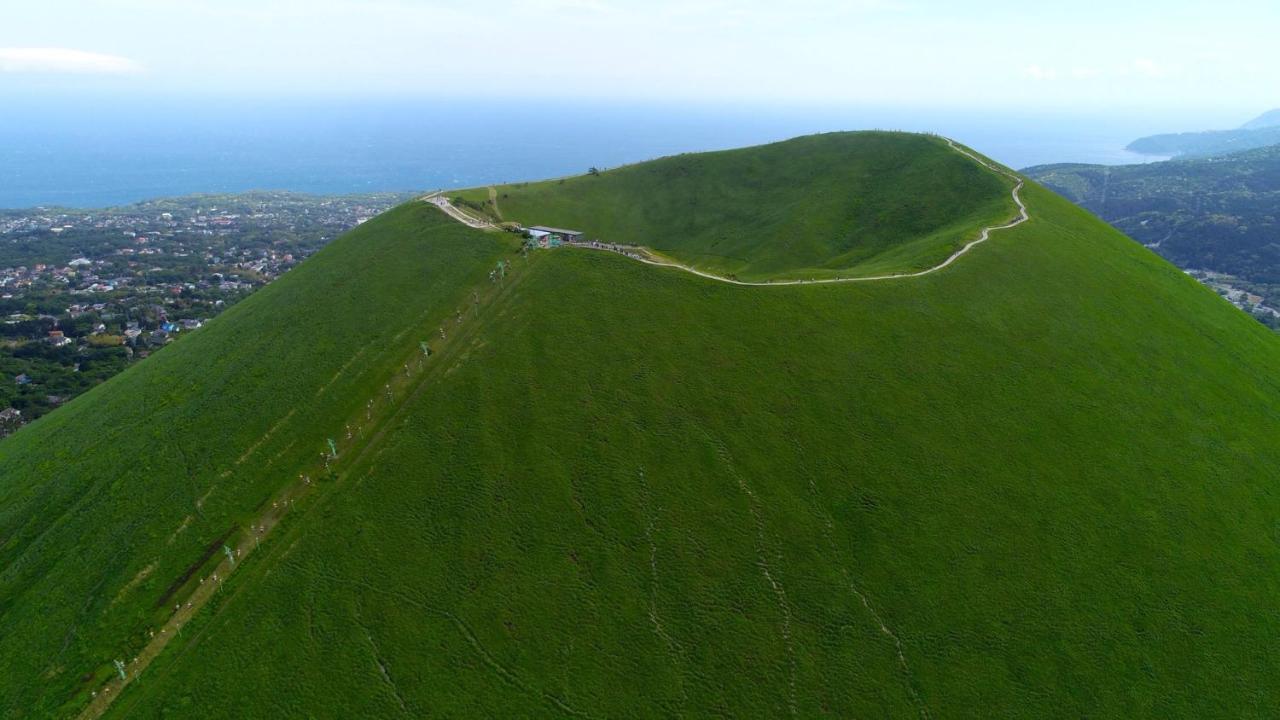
<point x="1262" y="131"/>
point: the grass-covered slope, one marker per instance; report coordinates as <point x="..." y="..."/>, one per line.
<point x="1041" y="482"/>
<point x="839" y="204"/>
<point x="113" y="506"/>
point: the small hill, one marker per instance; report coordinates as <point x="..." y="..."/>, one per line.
<point x="839" y="204"/>
<point x="1036" y="483"/>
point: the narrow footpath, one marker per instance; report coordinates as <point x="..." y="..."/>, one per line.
<point x="438" y="199"/>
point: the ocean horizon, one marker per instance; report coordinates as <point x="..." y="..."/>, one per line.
<point x="53" y="155"/>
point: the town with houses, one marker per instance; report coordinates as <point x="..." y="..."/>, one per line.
<point x="84" y="293"/>
<point x="1256" y="299"/>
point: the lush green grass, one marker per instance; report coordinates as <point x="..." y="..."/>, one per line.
<point x="834" y="205"/>
<point x="107" y="503"/>
<point x="1050" y="470"/>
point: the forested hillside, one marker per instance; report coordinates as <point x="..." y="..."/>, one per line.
<point x="1217" y="215"/>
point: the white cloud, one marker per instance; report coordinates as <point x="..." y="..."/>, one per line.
<point x="571" y="6"/>
<point x="1085" y="73"/>
<point x="64" y="60"/>
<point x="1147" y="67"/>
<point x="1039" y="72"/>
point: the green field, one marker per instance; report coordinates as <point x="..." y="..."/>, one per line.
<point x="834" y="205"/>
<point x="1038" y="483"/>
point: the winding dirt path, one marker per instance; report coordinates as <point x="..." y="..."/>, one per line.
<point x="439" y="200"/>
<point x="641" y="254"/>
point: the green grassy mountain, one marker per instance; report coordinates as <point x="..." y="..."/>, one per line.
<point x="1039" y="482"/>
<point x="817" y="206"/>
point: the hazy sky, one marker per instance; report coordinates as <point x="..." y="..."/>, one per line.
<point x="1079" y="55"/>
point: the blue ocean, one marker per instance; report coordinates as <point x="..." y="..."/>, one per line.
<point x="97" y="153"/>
